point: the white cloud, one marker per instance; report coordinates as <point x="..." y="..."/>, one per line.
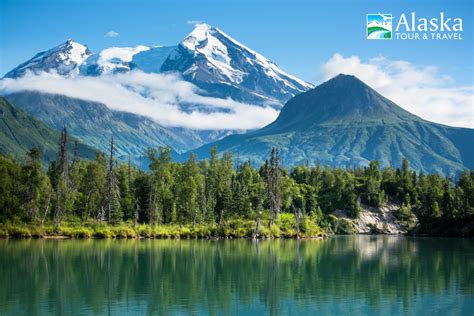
<point x="166" y="98"/>
<point x="111" y="34"/>
<point x="420" y="90"/>
<point x="194" y="22"/>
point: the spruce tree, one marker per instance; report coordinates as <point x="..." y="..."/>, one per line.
<point x="111" y="202"/>
<point x="274" y="185"/>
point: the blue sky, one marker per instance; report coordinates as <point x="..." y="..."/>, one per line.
<point x="299" y="36"/>
<point x="375" y="17"/>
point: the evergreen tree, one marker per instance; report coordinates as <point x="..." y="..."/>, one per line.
<point x="92" y="188"/>
<point x="37" y="187"/>
<point x="63" y="199"/>
<point x="161" y="183"/>
<point x="274" y="185"/>
<point x="111" y="202"/>
<point x="188" y="188"/>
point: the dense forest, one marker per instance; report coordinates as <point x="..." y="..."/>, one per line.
<point x="212" y="198"/>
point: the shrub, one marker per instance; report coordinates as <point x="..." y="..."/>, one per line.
<point x="103" y="232"/>
<point x="74" y="232"/>
<point x="275" y="231"/>
<point x="286" y="222"/>
<point x="19" y="232"/>
<point x="144" y="231"/>
<point x="49" y="231"/>
<point x="124" y="232"/>
<point x="310" y="228"/>
<point x="161" y="232"/>
<point x="83" y="232"/>
<point x="3" y="233"/>
<point x="202" y="231"/>
<point x="185" y="232"/>
<point x="37" y="232"/>
<point x="346" y="227"/>
<point x="264" y="232"/>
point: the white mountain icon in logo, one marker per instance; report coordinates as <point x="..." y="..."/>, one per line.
<point x="379" y="26"/>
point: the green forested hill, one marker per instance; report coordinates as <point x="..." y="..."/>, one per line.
<point x="19" y="132"/>
<point x="343" y="122"/>
<point x="93" y="123"/>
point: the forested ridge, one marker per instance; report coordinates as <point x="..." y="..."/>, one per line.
<point x="217" y="197"/>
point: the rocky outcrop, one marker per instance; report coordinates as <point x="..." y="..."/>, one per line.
<point x="374" y="220"/>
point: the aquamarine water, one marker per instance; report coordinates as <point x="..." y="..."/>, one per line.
<point x="350" y="275"/>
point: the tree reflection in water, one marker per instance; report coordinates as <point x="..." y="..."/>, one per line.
<point x="368" y="274"/>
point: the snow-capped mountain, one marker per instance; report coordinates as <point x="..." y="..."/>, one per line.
<point x="224" y="67"/>
<point x="383" y="24"/>
<point x="151" y="60"/>
<point x="215" y="62"/>
<point x="123" y="59"/>
<point x="64" y="59"/>
<point x="110" y="60"/>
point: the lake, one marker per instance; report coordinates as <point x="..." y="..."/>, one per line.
<point x="357" y="275"/>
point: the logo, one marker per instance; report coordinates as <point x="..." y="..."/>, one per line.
<point x="411" y="26"/>
<point x="379" y="26"/>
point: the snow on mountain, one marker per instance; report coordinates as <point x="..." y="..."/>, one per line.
<point x="150" y="60"/>
<point x="224" y="67"/>
<point x="63" y="59"/>
<point x="207" y="57"/>
<point x="123" y="59"/>
<point x="111" y="60"/>
<point x="201" y="41"/>
<point x="375" y="23"/>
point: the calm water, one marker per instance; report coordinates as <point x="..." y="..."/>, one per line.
<point x="360" y="275"/>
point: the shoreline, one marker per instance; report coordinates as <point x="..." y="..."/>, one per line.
<point x="64" y="237"/>
<point x="231" y="230"/>
<point x="215" y="238"/>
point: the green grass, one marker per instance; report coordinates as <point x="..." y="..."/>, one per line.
<point x="283" y="227"/>
<point x="375" y="28"/>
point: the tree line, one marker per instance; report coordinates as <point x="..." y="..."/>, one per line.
<point x="214" y="190"/>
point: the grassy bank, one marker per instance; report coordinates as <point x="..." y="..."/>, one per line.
<point x="284" y="227"/>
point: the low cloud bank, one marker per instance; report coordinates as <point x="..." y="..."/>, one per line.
<point x="162" y="97"/>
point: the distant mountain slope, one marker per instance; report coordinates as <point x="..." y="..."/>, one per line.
<point x="94" y="124"/>
<point x="343" y="122"/>
<point x="19" y="132"/>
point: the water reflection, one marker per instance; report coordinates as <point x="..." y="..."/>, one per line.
<point x="361" y="274"/>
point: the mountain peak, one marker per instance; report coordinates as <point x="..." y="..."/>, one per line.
<point x="68" y="42"/>
<point x="342" y="76"/>
<point x="345" y="79"/>
<point x="63" y="59"/>
<point x="200" y="36"/>
<point x="202" y="27"/>
<point x="75" y="50"/>
<point x="340" y="100"/>
<point x="225" y="67"/>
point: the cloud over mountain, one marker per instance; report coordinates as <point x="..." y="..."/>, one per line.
<point x="166" y="98"/>
<point x="421" y="90"/>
